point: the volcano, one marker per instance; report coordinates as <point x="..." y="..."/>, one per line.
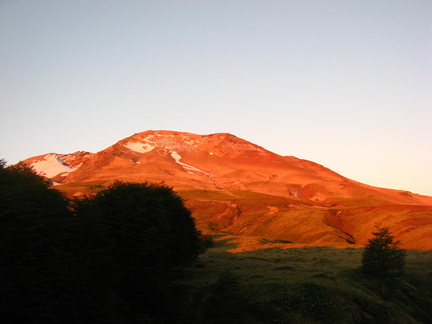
<point x="235" y="187"/>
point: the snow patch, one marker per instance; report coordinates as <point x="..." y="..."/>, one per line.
<point x="188" y="167"/>
<point x="139" y="147"/>
<point x="51" y="166"/>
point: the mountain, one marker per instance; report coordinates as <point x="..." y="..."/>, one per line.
<point x="236" y="187"/>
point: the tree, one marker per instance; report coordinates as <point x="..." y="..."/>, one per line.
<point x="134" y="235"/>
<point x="382" y="256"/>
<point x="108" y="258"/>
<point x="34" y="254"/>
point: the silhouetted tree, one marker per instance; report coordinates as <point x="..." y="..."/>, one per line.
<point x="34" y="255"/>
<point x="382" y="256"/>
<point x="134" y="235"/>
<point x="108" y="258"/>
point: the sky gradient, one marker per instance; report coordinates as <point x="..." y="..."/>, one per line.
<point x="347" y="84"/>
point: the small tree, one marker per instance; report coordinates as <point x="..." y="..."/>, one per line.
<point x="382" y="256"/>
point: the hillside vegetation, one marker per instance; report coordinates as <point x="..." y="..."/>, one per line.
<point x="303" y="285"/>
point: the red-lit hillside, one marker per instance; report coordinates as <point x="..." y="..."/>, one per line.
<point x="235" y="186"/>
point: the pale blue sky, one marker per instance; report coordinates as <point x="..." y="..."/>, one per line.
<point x="347" y="84"/>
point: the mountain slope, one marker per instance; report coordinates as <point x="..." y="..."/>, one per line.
<point x="235" y="186"/>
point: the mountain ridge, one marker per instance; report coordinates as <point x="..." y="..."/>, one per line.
<point x="217" y="174"/>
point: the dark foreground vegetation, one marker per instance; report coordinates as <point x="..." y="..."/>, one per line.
<point x="108" y="258"/>
<point x="304" y="285"/>
<point x="130" y="254"/>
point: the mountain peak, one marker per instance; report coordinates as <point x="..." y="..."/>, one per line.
<point x="213" y="144"/>
<point x="236" y="186"/>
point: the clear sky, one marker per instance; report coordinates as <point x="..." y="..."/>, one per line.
<point x="347" y="84"/>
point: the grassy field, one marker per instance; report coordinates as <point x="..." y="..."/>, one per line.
<point x="305" y="285"/>
<point x="279" y="265"/>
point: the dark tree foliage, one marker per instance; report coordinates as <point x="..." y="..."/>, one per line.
<point x="109" y="258"/>
<point x="382" y="257"/>
<point x="142" y="233"/>
<point x="34" y="253"/>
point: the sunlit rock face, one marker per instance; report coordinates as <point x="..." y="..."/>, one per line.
<point x="235" y="186"/>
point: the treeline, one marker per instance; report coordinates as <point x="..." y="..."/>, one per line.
<point x="107" y="258"/>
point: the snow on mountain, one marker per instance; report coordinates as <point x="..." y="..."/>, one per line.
<point x="51" y="166"/>
<point x="177" y="158"/>
<point x="213" y="144"/>
<point x="58" y="166"/>
<point x="139" y="147"/>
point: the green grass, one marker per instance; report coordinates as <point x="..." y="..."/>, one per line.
<point x="301" y="263"/>
<point x="309" y="285"/>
